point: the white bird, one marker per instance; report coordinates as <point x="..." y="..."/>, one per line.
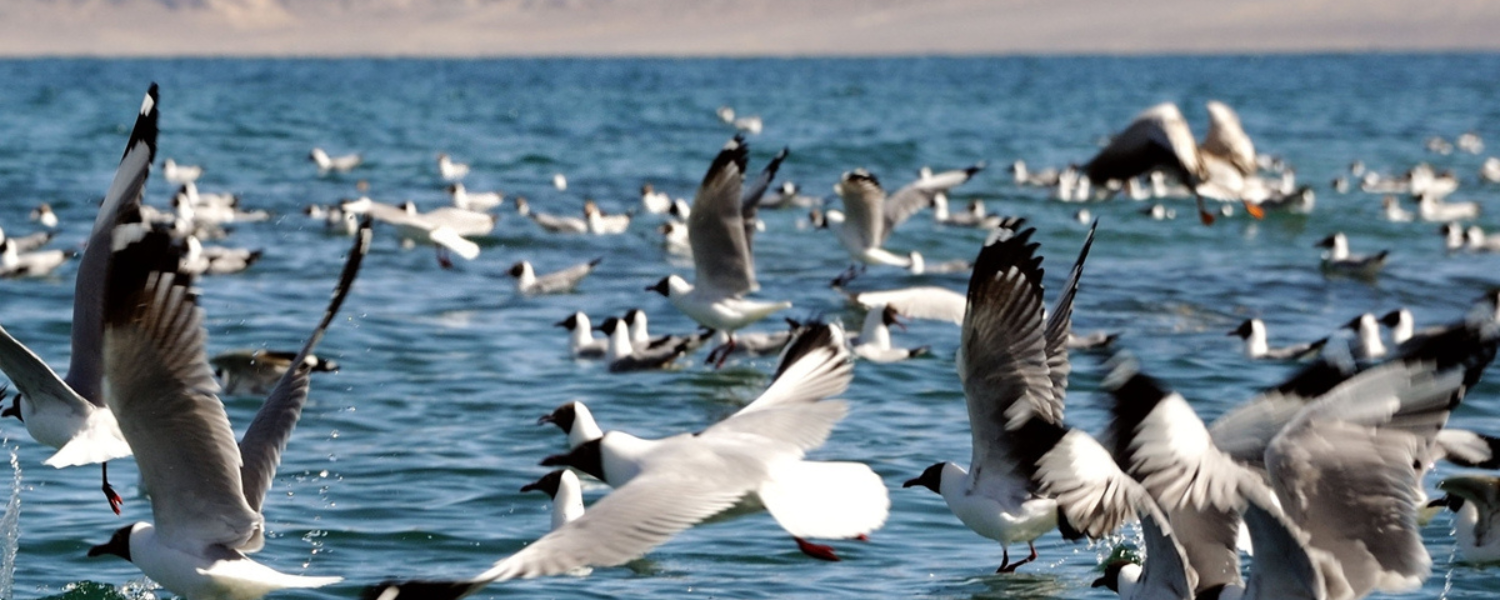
<point x="180" y="174"/>
<point x="207" y="492"/>
<point x="874" y="340"/>
<point x="1366" y="344"/>
<point x="1338" y="261"/>
<point x="1476" y="499"/>
<point x="550" y="222"/>
<point x="599" y="223"/>
<point x="563" y="488"/>
<point x="640" y="334"/>
<point x="1024" y="176"/>
<point x="789" y="195"/>
<point x="1253" y="331"/>
<point x="1013" y="364"/>
<point x="43" y="214"/>
<point x="1470" y="142"/>
<point x="1433" y="209"/>
<point x="667" y="485"/>
<point x="70" y="413"/>
<point x="37" y="263"/>
<point x="334" y="164"/>
<point x="475" y="201"/>
<point x="870" y="215"/>
<point x="921" y="302"/>
<point x="581" y="340"/>
<point x="215" y="260"/>
<point x="560" y="182"/>
<point x="1475" y="239"/>
<point x="1392" y="211"/>
<point x="974" y="216"/>
<point x="28" y="242"/>
<point x="722" y="261"/>
<point x="623" y="355"/>
<point x="464" y="222"/>
<point x="674" y="238"/>
<point x="1490" y="170"/>
<point x="654" y="202"/>
<point x="751" y="125"/>
<point x="413" y="228"/>
<point x="244" y="372"/>
<point x="557" y="282"/>
<point x="450" y="170"/>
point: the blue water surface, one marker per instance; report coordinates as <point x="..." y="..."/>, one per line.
<point x="408" y="461"/>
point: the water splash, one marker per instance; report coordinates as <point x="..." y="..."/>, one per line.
<point x="10" y="526"/>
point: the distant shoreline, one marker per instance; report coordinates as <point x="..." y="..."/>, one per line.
<point x="913" y="56"/>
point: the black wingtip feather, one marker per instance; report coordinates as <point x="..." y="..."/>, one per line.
<point x="1135" y="395"/>
<point x="737" y="152"/>
<point x="145" y="129"/>
<point x="815" y="336"/>
<point x="417" y="590"/>
<point x="1015" y="251"/>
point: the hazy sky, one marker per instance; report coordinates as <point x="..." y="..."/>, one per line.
<point x="737" y="27"/>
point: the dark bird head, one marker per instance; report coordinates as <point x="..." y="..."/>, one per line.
<point x="932" y="479"/>
<point x="588" y="457"/>
<point x="118" y="544"/>
<point x="1326" y="242"/>
<point x="633" y="315"/>
<point x="548" y="484"/>
<point x="452" y="188"/>
<point x="1243" y="331"/>
<point x="562" y="416"/>
<point x="517" y="269"/>
<point x="569" y="323"/>
<point x="1353" y="324"/>
<point x="609" y="325"/>
<point x="888" y="317"/>
<point x="663" y="287"/>
<point x="1391" y="319"/>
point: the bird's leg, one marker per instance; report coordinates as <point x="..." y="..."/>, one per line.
<point x="109" y="492"/>
<point x="442" y="258"/>
<point x="722" y="352"/>
<point x="1012" y="567"/>
<point x="1004" y="560"/>
<point x="1203" y="214"/>
<point x="1254" y="209"/>
<point x="818" y="551"/>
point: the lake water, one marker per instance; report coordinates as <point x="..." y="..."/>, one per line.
<point x="408" y="461"/>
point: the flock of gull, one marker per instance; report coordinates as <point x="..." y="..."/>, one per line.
<point x="1312" y="489"/>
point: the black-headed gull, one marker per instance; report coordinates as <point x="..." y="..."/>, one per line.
<point x="207" y="491"/>
<point x="243" y="372"/>
<point x="334" y="164"/>
<point x="556" y="282"/>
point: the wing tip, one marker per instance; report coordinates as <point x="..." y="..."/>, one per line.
<point x="418" y="590"/>
<point x="140" y="252"/>
<point x="145" y="129"/>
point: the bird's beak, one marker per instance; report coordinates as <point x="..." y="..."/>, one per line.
<point x="547" y="418"/>
<point x="912" y="482"/>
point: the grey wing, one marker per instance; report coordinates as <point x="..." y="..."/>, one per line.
<point x="162" y="392"/>
<point x="267" y="435"/>
<point x="923" y="302"/>
<point x="1226" y="137"/>
<point x="864" y="204"/>
<point x="716" y="230"/>
<point x="901" y="205"/>
<point x="1355" y="490"/>
<point x="1168" y="572"/>
<point x="86" y="368"/>
<point x="815" y="365"/>
<point x="753" y="192"/>
<point x="805" y="426"/>
<point x="37" y="381"/>
<point x="566" y="279"/>
<point x="1060" y="324"/>
<point x="1285" y="567"/>
<point x="1093" y="495"/>
<point x="624" y="525"/>
<point x="1159" y="136"/>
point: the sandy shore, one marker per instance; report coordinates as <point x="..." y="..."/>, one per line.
<point x="736" y="27"/>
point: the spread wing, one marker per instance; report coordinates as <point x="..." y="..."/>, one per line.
<point x="716" y="227"/>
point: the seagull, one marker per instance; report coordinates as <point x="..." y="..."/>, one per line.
<point x="789" y="195"/>
<point x="674" y="238"/>
<point x="29" y="242"/>
<point x="599" y="223"/>
<point x="1477" y="240"/>
<point x="1475" y="498"/>
<point x="449" y="170"/>
<point x="246" y="372"/>
<point x="1338" y="261"/>
<point x="725" y="269"/>
<point x="334" y="164"/>
<point x="70" y="413"/>
<point x="1091" y="341"/>
<point x="1403" y="326"/>
<point x="1490" y="170"/>
<point x="413" y="228"/>
<point x="1013" y="364"/>
<point x="180" y="174"/>
<point x="207" y="492"/>
<point x="464" y="222"/>
<point x="920" y="302"/>
<point x="476" y="201"/>
<point x="974" y="217"/>
<point x="552" y="223"/>
<point x="37" y="263"/>
<point x="215" y="260"/>
<point x="43" y="214"/>
<point x="1432" y="208"/>
<point x="874" y="341"/>
<point x="654" y="202"/>
<point x="751" y="125"/>
<point x="563" y="487"/>
<point x="1253" y="331"/>
<point x="623" y="355"/>
<point x="528" y="282"/>
<point x="1393" y="211"/>
<point x="1024" y="177"/>
<point x="581" y="341"/>
<point x="870" y="215"/>
<point x="640" y="335"/>
<point x="1366" y="344"/>
<point x="664" y="486"/>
